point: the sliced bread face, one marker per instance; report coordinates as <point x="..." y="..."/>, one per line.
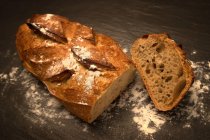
<point x="164" y="69"/>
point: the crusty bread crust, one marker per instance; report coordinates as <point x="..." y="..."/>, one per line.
<point x="187" y="70"/>
<point x="78" y="78"/>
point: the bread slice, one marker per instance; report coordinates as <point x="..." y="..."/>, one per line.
<point x="164" y="69"/>
<point x="85" y="70"/>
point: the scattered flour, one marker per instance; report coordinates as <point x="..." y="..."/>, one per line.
<point x="85" y="128"/>
<point x="146" y="116"/>
<point x="193" y="52"/>
<point x="90" y="79"/>
<point x="41" y="104"/>
<point x="83" y="52"/>
<point x="206" y="76"/>
<point x="3" y="76"/>
<point x="7" y="79"/>
<point x="125" y="50"/>
<point x="42" y="107"/>
<point x="13" y="74"/>
<point x="48" y="17"/>
<point x="187" y="126"/>
<point x="147" y="119"/>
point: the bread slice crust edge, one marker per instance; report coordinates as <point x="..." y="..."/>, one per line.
<point x="184" y="62"/>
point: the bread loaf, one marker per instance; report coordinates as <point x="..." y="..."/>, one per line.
<point x="85" y="70"/>
<point x="164" y="69"/>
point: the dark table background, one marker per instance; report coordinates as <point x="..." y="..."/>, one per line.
<point x="187" y="21"/>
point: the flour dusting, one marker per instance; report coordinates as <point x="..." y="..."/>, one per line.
<point x="148" y="119"/>
<point x="13" y="74"/>
<point x="41" y="104"/>
<point x="193" y="52"/>
<point x="125" y="50"/>
<point x="146" y="116"/>
<point x="89" y="82"/>
<point x="3" y="76"/>
<point x="42" y="107"/>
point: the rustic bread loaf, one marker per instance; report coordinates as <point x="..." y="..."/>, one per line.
<point x="164" y="69"/>
<point x="83" y="69"/>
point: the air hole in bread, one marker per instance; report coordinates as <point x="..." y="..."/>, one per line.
<point x="142" y="47"/>
<point x="169" y="78"/>
<point x="160" y="48"/>
<point x="154" y="65"/>
<point x="155" y="44"/>
<point x="180" y="72"/>
<point x="161" y="66"/>
<point x="160" y="90"/>
<point x="164" y="99"/>
<point x="179" y="87"/>
<point x="147" y="71"/>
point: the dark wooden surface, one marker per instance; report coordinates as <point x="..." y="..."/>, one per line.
<point x="188" y="22"/>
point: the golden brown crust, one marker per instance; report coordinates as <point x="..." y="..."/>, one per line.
<point x="49" y="59"/>
<point x="185" y="65"/>
<point x="190" y="75"/>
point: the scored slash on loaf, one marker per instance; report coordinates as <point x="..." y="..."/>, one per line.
<point x="85" y="70"/>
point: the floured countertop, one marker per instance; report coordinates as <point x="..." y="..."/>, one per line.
<point x="40" y="109"/>
<point x="28" y="111"/>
